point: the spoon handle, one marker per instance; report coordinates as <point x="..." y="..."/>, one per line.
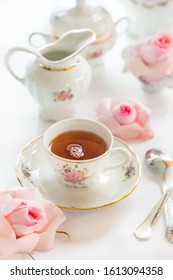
<point x="168" y="213"/>
<point x="144" y="230"/>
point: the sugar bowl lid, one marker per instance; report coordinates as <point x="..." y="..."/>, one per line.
<point x="83" y="15"/>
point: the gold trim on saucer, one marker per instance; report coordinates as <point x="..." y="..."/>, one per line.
<point x="83" y="208"/>
<point x="19" y="155"/>
<point x="59" y="69"/>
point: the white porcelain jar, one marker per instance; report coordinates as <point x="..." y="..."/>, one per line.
<point x="85" y="15"/>
<point x="59" y="76"/>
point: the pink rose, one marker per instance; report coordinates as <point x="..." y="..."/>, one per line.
<point x="127" y="120"/>
<point x="27" y="221"/>
<point x="158" y="48"/>
<point x="152" y="60"/>
<point x="73" y="176"/>
<point x="124" y="113"/>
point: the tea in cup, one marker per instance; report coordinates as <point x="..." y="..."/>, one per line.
<point x="80" y="150"/>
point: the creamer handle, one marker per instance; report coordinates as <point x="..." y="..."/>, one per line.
<point x="10" y="53"/>
<point x="35" y="35"/>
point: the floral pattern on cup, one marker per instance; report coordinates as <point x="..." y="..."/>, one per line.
<point x="63" y="95"/>
<point x="27" y="172"/>
<point x="151" y="4"/>
<point x="129" y="171"/>
<point x="73" y="175"/>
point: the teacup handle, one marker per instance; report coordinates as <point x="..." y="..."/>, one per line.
<point x="126" y="157"/>
<point x="36" y="35"/>
<point x="9" y="55"/>
<point x="119" y="22"/>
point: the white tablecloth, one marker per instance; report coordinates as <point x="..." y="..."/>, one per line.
<point x="103" y="233"/>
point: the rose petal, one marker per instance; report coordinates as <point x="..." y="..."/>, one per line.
<point x="11" y="206"/>
<point x="143" y="114"/>
<point x="47" y="238"/>
<point x="5" y="199"/>
<point x="104" y="106"/>
<point x="132" y="132"/>
<point x="134" y="64"/>
<point x="124" y="113"/>
<point x="137" y="130"/>
<point x="15" y="224"/>
<point x="148" y="54"/>
<point x="104" y="111"/>
<point x="24" y="244"/>
<point x="48" y="214"/>
<point x="151" y="60"/>
<point x="6" y="229"/>
<point x="24" y="193"/>
<point x="51" y="212"/>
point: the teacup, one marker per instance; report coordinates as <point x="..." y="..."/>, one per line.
<point x="76" y="171"/>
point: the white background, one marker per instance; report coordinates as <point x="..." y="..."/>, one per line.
<point x="104" y="234"/>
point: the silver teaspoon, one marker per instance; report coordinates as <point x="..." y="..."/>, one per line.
<point x="162" y="160"/>
<point x="144" y="230"/>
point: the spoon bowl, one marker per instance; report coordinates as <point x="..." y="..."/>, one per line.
<point x="162" y="160"/>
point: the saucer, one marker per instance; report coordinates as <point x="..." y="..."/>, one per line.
<point x="114" y="185"/>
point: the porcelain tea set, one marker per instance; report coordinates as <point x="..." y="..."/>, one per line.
<point x="57" y="79"/>
<point x="84" y="15"/>
<point x="61" y="73"/>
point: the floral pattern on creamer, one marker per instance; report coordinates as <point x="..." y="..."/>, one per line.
<point x="129" y="171"/>
<point x="27" y="172"/>
<point x="63" y="95"/>
<point x="74" y="176"/>
<point x="95" y="54"/>
<point x="151" y="3"/>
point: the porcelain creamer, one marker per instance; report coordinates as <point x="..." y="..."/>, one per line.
<point x="59" y="75"/>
